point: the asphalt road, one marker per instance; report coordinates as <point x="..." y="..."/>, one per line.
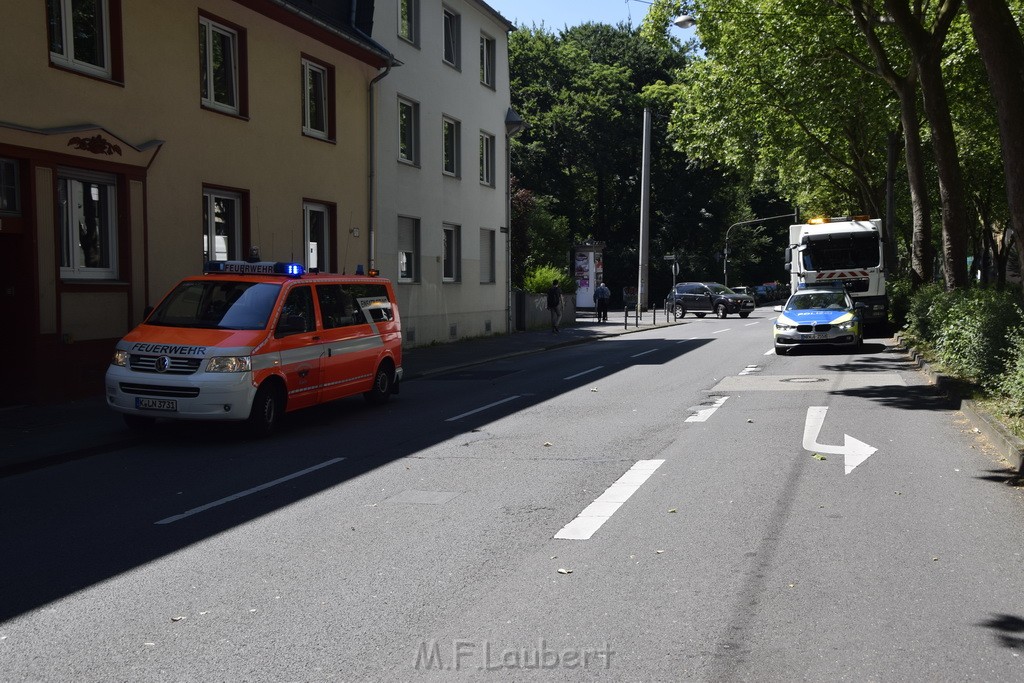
<point x="639" y="508"/>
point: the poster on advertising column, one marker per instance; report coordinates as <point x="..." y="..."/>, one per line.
<point x="588" y="270"/>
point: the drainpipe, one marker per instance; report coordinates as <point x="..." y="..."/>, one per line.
<point x="371" y="255"/>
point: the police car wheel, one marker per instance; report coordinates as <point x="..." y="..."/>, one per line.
<point x="266" y="409"/>
<point x="382" y="385"/>
<point x="139" y="423"/>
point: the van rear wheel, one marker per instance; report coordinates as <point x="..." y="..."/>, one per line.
<point x="383" y="383"/>
<point x="679" y="311"/>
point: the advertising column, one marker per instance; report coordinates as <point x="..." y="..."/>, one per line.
<point x="588" y="269"/>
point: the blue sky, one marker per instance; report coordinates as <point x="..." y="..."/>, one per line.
<point x="557" y="14"/>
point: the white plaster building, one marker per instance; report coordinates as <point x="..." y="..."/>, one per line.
<point x="441" y="177"/>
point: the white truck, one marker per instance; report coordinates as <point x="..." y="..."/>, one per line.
<point x="847" y="250"/>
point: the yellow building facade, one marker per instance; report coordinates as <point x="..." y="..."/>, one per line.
<point x="140" y="138"/>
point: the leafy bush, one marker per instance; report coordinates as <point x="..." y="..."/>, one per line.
<point x="1010" y="383"/>
<point x="539" y="279"/>
<point x="899" y="301"/>
<point x="972" y="329"/>
<point x="920" y="320"/>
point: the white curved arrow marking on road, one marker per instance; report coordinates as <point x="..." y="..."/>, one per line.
<point x="853" y="450"/>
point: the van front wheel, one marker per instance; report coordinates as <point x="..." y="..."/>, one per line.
<point x="266" y="411"/>
<point x="383" y="383"/>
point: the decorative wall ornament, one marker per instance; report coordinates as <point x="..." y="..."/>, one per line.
<point x="97" y="144"/>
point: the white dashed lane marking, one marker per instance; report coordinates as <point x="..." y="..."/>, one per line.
<point x="706" y="411"/>
<point x="247" y="492"/>
<point x="601" y="510"/>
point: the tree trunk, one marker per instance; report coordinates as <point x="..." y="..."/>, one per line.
<point x="926" y="48"/>
<point x="921" y="255"/>
<point x="1002" y="50"/>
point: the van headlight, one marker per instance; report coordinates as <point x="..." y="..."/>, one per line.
<point x="229" y="364"/>
<point x="120" y="358"/>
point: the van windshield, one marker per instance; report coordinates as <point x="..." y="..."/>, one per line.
<point x="221" y="304"/>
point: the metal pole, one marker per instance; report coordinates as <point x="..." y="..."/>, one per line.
<point x="645" y="211"/>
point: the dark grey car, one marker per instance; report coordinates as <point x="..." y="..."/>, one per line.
<point x="701" y="298"/>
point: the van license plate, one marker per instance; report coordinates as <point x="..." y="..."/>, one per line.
<point x="156" y="404"/>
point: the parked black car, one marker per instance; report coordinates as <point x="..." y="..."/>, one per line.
<point x="701" y="298"/>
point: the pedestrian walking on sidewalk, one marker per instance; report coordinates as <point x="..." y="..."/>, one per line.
<point x="601" y="296"/>
<point x="555" y="305"/>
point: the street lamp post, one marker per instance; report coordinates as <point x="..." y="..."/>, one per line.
<point x="725" y="261"/>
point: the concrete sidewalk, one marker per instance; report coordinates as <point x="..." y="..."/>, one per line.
<point x="32" y="437"/>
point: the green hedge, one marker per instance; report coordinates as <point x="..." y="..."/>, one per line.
<point x="539" y="279"/>
<point x="975" y="334"/>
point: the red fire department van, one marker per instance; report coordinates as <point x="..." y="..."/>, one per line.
<point x="251" y="341"/>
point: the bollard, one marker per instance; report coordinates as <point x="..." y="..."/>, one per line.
<point x="625" y="318"/>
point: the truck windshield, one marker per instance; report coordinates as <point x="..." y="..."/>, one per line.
<point x="221" y="304"/>
<point x="838" y="252"/>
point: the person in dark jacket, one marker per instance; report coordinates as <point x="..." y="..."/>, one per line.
<point x="601" y="296"/>
<point x="555" y="305"/>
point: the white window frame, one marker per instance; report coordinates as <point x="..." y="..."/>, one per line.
<point x="10" y="186"/>
<point x="66" y="30"/>
<point x="312" y="70"/>
<point x="209" y="27"/>
<point x="451" y="160"/>
<point x="488" y="59"/>
<point x="451" y="253"/>
<point x="409" y="21"/>
<point x="486" y="159"/>
<point x="319" y="258"/>
<point x="210" y="196"/>
<point x="452" y="34"/>
<point x="408" y="249"/>
<point x="413" y="144"/>
<point x="488" y="240"/>
<point x="71" y="216"/>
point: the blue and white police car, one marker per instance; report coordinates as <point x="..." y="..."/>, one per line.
<point x="821" y="316"/>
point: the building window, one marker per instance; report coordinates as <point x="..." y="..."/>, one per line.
<point x="88" y="224"/>
<point x="452" y="253"/>
<point x="451" y="131"/>
<point x="486" y="256"/>
<point x="408" y="131"/>
<point x="487" y="159"/>
<point x="10" y="192"/>
<point x="452" y="31"/>
<point x="316" y="219"/>
<point x="80" y="36"/>
<point x="221" y="48"/>
<point x="487" y="60"/>
<point x="409" y="20"/>
<point x="317" y="99"/>
<point x="222" y="225"/>
<point x="408" y="249"/>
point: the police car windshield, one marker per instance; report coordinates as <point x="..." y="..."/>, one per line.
<point x="833" y="300"/>
<point x="220" y="304"/>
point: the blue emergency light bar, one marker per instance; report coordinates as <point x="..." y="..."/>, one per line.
<point x="257" y="268"/>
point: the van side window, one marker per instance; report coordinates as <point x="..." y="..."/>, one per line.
<point x="335" y="306"/>
<point x="371" y="300"/>
<point x="297" y="314"/>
